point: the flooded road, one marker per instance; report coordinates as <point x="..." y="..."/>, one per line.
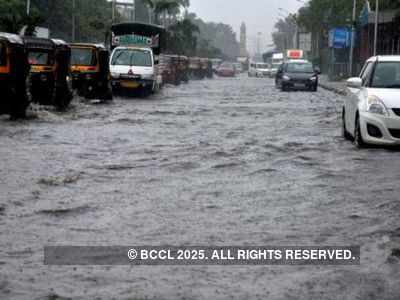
<point x="221" y="162"/>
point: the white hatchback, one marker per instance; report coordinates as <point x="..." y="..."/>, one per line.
<point x="371" y="112"/>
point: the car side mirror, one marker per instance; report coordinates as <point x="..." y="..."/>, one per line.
<point x="354" y="82"/>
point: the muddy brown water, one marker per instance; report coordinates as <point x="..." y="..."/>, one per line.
<point x="214" y="162"/>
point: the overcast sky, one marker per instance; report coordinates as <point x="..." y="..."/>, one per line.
<point x="259" y="15"/>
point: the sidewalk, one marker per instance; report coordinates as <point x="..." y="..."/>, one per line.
<point x="338" y="87"/>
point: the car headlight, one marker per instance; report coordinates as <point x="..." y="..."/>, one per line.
<point x="313" y="78"/>
<point x="115" y="75"/>
<point x="376" y="106"/>
<point x="285" y="77"/>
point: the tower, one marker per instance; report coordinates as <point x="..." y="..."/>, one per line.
<point x="243" y="40"/>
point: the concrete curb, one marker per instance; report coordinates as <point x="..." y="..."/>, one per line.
<point x="331" y="88"/>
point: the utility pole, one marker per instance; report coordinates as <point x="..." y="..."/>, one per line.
<point x="353" y="33"/>
<point x="73" y="21"/>
<point x="114" y="7"/>
<point x="28" y="7"/>
<point x="376" y="26"/>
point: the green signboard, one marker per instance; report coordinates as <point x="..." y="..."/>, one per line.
<point x="133" y="39"/>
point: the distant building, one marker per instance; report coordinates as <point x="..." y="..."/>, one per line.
<point x="243" y="41"/>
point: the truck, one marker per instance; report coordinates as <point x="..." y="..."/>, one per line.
<point x="133" y="63"/>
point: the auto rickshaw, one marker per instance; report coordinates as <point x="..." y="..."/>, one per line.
<point x="14" y="71"/>
<point x="50" y="80"/>
<point x="204" y="67"/>
<point x="184" y="68"/>
<point x="169" y="65"/>
<point x="195" y="68"/>
<point x="91" y="71"/>
<point x="210" y="72"/>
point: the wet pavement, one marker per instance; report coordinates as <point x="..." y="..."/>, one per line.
<point x="214" y="162"/>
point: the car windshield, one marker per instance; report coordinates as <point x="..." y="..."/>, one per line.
<point x="300" y="68"/>
<point x="132" y="57"/>
<point x="386" y="75"/>
<point x="262" y="66"/>
<point x="41" y="58"/>
<point x="82" y="57"/>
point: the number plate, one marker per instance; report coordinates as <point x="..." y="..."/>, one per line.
<point x="130" y="84"/>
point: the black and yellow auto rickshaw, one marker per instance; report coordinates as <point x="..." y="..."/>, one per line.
<point x="184" y="68"/>
<point x="50" y="78"/>
<point x="14" y="71"/>
<point x="91" y="71"/>
<point x="195" y="70"/>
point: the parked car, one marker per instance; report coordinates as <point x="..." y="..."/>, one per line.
<point x="14" y="71"/>
<point x="297" y="74"/>
<point x="371" y="112"/>
<point x="50" y="74"/>
<point x="91" y="71"/>
<point x="259" y="69"/>
<point x="226" y="69"/>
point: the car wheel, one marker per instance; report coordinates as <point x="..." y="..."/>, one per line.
<point x="345" y="134"/>
<point x="358" y="139"/>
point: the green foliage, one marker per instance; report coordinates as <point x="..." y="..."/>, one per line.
<point x="13" y="16"/>
<point x="213" y="36"/>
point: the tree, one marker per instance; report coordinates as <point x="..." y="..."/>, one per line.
<point x="13" y="16"/>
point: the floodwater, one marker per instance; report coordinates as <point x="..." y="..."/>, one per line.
<point x="214" y="162"/>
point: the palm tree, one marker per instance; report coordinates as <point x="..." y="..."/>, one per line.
<point x="166" y="7"/>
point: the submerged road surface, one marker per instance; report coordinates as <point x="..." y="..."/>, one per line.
<point x="221" y="162"/>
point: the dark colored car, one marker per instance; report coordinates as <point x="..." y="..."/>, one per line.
<point x="14" y="71"/>
<point x="50" y="74"/>
<point x="226" y="69"/>
<point x="297" y="74"/>
<point x="91" y="71"/>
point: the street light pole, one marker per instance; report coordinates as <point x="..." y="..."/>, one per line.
<point x="353" y="31"/>
<point x="73" y="21"/>
<point x="114" y="5"/>
<point x="376" y="27"/>
<point x="28" y="7"/>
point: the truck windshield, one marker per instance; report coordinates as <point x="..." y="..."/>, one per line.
<point x="386" y="75"/>
<point x="300" y="68"/>
<point x="132" y="57"/>
<point x="83" y="57"/>
<point x="41" y="58"/>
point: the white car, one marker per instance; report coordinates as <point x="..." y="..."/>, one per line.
<point x="133" y="68"/>
<point x="371" y="112"/>
<point x="259" y="70"/>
